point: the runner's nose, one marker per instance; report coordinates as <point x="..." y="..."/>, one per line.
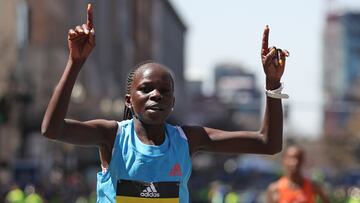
<point x="156" y="95"/>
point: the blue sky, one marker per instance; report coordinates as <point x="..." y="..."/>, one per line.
<point x="231" y="31"/>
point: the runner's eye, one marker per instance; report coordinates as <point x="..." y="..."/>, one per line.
<point x="145" y="89"/>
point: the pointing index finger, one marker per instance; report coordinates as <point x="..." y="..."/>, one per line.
<point x="89" y="20"/>
<point x="265" y="41"/>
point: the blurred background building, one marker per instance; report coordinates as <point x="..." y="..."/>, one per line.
<point x="341" y="83"/>
<point x="341" y="70"/>
<point x="237" y="91"/>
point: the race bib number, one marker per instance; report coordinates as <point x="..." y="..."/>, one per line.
<point x="148" y="192"/>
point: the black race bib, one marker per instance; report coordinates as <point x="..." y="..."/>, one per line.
<point x="149" y="192"/>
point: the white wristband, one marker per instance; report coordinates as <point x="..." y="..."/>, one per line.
<point x="276" y="93"/>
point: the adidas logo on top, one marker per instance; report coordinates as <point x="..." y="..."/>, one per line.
<point x="150" y="191"/>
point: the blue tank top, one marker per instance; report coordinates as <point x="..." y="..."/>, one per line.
<point x="144" y="173"/>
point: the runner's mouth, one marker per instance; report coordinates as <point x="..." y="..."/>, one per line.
<point x="155" y="108"/>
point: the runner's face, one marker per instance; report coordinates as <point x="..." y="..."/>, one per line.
<point x="151" y="95"/>
<point x="293" y="160"/>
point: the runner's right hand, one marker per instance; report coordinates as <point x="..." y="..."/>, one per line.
<point x="81" y="40"/>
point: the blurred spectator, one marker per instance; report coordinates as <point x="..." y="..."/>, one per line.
<point x="294" y="187"/>
<point x="216" y="192"/>
<point x="354" y="196"/>
<point x="15" y="195"/>
<point x="31" y="195"/>
<point x="5" y="182"/>
<point x="232" y="197"/>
